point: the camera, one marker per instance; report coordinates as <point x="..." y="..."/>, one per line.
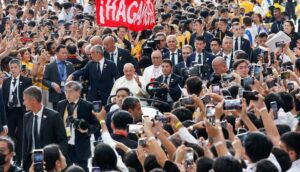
<point x="162" y="119"/>
<point x="265" y="57"/>
<point x="206" y="99"/>
<point x="291" y="86"/>
<point x="232" y="104"/>
<point x="142" y="142"/>
<point x="256" y="72"/>
<point x="96" y="169"/>
<point x="279" y="44"/>
<point x="215" y="89"/>
<point x="38" y="160"/>
<point x="242" y="137"/>
<point x="79" y="123"/>
<point x="196" y="70"/>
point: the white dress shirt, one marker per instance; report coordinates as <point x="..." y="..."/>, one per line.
<point x="295" y="166"/>
<point x="175" y="56"/>
<point x="14" y="88"/>
<point x="252" y="166"/>
<point x="101" y="63"/>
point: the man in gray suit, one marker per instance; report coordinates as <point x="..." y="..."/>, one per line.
<point x="56" y="74"/>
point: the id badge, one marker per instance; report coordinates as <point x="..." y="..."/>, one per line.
<point x="62" y="83"/>
<point x="68" y="131"/>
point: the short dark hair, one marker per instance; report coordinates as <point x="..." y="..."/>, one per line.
<point x="72" y="48"/>
<point x="238" y="62"/>
<point x="150" y="163"/>
<point x="288" y="103"/>
<point x="263" y="35"/>
<point x="227" y="164"/>
<point x="199" y="20"/>
<point x="131" y="160"/>
<point x="216" y="40"/>
<point x="9" y="141"/>
<point x="130" y="103"/>
<point x="247" y="21"/>
<point x="51" y="155"/>
<point x="204" y="164"/>
<point x="283" y="158"/>
<point x="182" y="114"/>
<point x="273" y="97"/>
<point x="257" y="146"/>
<point x="297" y="64"/>
<point x="167" y="61"/>
<point x="34" y="92"/>
<point x="194" y="85"/>
<point x="292" y="142"/>
<point x="265" y="165"/>
<point x="107" y="162"/>
<point x="123" y="89"/>
<point x="124" y="27"/>
<point x="200" y="38"/>
<point x="61" y="46"/>
<point x="121" y="119"/>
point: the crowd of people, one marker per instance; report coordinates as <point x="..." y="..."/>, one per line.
<point x="202" y="91"/>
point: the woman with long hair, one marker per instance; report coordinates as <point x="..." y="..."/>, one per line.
<point x="289" y="29"/>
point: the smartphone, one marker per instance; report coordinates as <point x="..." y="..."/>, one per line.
<point x="265" y="57"/>
<point x="275" y="109"/>
<point x="210" y="114"/>
<point x="97" y="106"/>
<point x="142" y="142"/>
<point x="269" y="71"/>
<point x="247" y="81"/>
<point x="291" y="86"/>
<point x="242" y="137"/>
<point x="23" y="68"/>
<point x="256" y="72"/>
<point x="272" y="57"/>
<point x="188" y="158"/>
<point x="188" y="101"/>
<point x="232" y="104"/>
<point x="206" y="99"/>
<point x="215" y="89"/>
<point x="223" y="123"/>
<point x="162" y="119"/>
<point x="241" y="90"/>
<point x="285" y="75"/>
<point x="135" y="128"/>
<point x="250" y="95"/>
<point x="241" y="130"/>
<point x="38" y="160"/>
<point x="96" y="169"/>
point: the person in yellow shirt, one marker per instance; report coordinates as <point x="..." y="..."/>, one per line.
<point x="25" y="55"/>
<point x="248" y="6"/>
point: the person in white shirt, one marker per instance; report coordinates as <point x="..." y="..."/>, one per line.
<point x="153" y="71"/>
<point x="250" y="31"/>
<point x="130" y="80"/>
<point x="290" y="142"/>
<point x="67" y="12"/>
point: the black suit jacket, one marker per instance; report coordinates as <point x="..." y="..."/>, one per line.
<point x="82" y="141"/>
<point x="51" y="74"/>
<point x="207" y="59"/>
<point x="52" y="130"/>
<point x="123" y="58"/>
<point x="99" y="83"/>
<point x="3" y="119"/>
<point x="207" y="37"/>
<point x="178" y="68"/>
<point x="245" y="46"/>
<point x="24" y="83"/>
<point x="168" y="55"/>
<point x="174" y="83"/>
<point x="126" y="141"/>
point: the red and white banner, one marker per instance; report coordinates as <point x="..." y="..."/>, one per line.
<point x="136" y="15"/>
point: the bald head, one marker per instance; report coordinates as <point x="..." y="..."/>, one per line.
<point x="156" y="58"/>
<point x="129" y="71"/>
<point x="109" y="44"/>
<point x="96" y="40"/>
<point x="219" y="65"/>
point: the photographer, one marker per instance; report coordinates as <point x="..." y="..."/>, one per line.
<point x="79" y="123"/>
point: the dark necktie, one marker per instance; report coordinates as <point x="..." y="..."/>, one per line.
<point x="14" y="93"/>
<point x="173" y="58"/>
<point x="199" y="59"/>
<point x="98" y="67"/>
<point x="70" y="108"/>
<point x="112" y="57"/>
<point x="36" y="134"/>
<point x="236" y="45"/>
<point x="166" y="80"/>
